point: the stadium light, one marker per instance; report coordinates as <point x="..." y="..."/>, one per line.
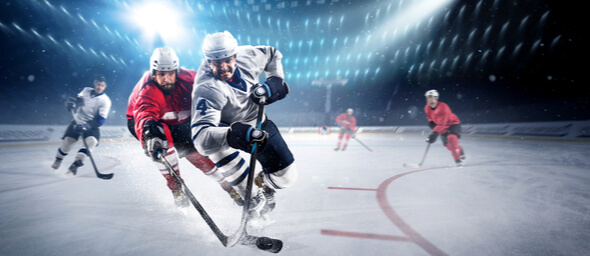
<point x="157" y="19"/>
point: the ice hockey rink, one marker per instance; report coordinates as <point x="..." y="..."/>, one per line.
<point x="512" y="197"/>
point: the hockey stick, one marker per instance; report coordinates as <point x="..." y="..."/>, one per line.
<point x="263" y="243"/>
<point x="410" y="165"/>
<point x="98" y="174"/>
<point x="363" y="144"/>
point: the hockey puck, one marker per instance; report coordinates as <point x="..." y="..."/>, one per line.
<point x="269" y="244"/>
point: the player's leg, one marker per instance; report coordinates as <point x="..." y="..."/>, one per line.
<point x="180" y="199"/>
<point x="278" y="164"/>
<point x="185" y="147"/>
<point x="340" y="137"/>
<point x="235" y="169"/>
<point x="346" y="139"/>
<point x="68" y="140"/>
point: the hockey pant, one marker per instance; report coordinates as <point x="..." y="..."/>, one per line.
<point x="275" y="158"/>
<point x="70" y="138"/>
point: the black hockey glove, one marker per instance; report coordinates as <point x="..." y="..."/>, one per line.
<point x="70" y="103"/>
<point x="242" y="136"/>
<point x="272" y="90"/>
<point x="154" y="139"/>
<point x="82" y="127"/>
<point x="431" y="124"/>
<point x="432" y="137"/>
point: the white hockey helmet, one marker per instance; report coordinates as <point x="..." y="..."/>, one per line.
<point x="164" y="59"/>
<point x="432" y="93"/>
<point x="350" y="110"/>
<point x="219" y="46"/>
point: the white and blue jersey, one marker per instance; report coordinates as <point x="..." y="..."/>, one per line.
<point x="218" y="103"/>
<point x="96" y="107"/>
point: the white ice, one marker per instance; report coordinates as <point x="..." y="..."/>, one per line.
<point x="513" y="197"/>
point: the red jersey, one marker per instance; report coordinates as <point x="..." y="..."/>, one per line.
<point x="441" y="116"/>
<point x="347" y="122"/>
<point x="147" y="101"/>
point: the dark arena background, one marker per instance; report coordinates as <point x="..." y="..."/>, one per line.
<point x="492" y="61"/>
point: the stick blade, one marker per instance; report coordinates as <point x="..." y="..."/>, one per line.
<point x="105" y="176"/>
<point x="411" y="165"/>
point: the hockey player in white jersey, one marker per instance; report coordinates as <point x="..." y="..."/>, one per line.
<point x="224" y="116"/>
<point x="93" y="109"/>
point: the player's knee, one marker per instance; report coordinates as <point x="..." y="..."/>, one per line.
<point x="284" y="178"/>
<point x="91" y="141"/>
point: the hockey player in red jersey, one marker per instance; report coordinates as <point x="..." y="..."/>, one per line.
<point x="158" y="115"/>
<point x="347" y="123"/>
<point x="443" y="122"/>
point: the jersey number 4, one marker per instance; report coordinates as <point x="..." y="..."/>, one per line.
<point x="202" y="106"/>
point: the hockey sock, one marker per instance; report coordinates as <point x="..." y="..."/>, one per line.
<point x="453" y="146"/>
<point x="172" y="158"/>
<point x="83" y="152"/>
<point x="208" y="168"/>
<point x="66" y="145"/>
<point x="233" y="167"/>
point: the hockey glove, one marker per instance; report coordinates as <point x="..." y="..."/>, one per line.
<point x="79" y="128"/>
<point x="432" y="137"/>
<point x="272" y="90"/>
<point x="70" y="103"/>
<point x="242" y="136"/>
<point x="154" y="139"/>
<point x="431" y="124"/>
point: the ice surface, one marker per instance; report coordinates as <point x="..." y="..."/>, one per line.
<point x="513" y="197"/>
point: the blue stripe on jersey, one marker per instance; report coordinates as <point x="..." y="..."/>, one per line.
<point x="205" y="125"/>
<point x="100" y="120"/>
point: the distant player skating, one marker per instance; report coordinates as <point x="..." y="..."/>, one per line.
<point x="347" y="123"/>
<point x="93" y="109"/>
<point x="443" y="122"/>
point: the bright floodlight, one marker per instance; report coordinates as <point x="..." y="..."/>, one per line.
<point x="157" y="19"/>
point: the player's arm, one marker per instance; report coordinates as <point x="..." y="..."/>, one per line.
<point x="147" y="108"/>
<point x="274" y="88"/>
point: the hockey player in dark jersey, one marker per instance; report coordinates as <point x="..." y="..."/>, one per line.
<point x="93" y="109"/>
<point x="158" y="115"/>
<point x="444" y="123"/>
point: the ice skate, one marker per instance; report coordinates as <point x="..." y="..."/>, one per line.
<point x="344" y="148"/>
<point x="462" y="155"/>
<point x="257" y="204"/>
<point x="337" y="148"/>
<point x="268" y="192"/>
<point x="56" y="163"/>
<point x="74" y="167"/>
<point x="180" y="199"/>
<point x="459" y="163"/>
